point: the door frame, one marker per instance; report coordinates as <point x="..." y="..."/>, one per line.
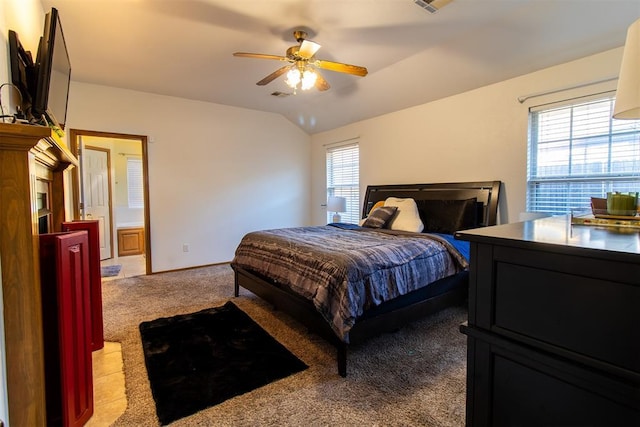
<point x="74" y="140"/>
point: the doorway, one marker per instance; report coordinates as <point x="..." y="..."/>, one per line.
<point x="111" y="186"/>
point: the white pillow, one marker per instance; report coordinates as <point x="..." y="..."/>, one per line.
<point x="407" y="217"/>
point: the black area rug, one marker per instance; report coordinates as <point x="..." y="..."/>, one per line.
<point x="198" y="360"/>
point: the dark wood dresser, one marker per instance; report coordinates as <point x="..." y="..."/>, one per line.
<point x="554" y="325"/>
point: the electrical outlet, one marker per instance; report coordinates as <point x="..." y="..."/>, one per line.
<point x="185" y="247"/>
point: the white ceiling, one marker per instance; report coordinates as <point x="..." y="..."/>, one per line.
<point x="184" y="48"/>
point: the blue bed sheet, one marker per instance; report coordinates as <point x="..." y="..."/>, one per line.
<point x="460" y="245"/>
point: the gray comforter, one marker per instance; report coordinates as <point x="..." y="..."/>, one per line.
<point x="345" y="271"/>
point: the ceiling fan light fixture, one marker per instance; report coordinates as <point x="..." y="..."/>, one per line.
<point x="304" y="78"/>
<point x="301" y="72"/>
<point x="293" y="78"/>
<point x="309" y="78"/>
<point x="308" y="48"/>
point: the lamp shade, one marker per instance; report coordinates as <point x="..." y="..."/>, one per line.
<point x="337" y="204"/>
<point x="628" y="92"/>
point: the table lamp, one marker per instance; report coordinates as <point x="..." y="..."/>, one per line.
<point x="336" y="204"/>
<point x="628" y="93"/>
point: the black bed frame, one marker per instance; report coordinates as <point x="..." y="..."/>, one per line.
<point x="392" y="315"/>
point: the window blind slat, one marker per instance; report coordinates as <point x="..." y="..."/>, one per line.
<point x="578" y="151"/>
<point x="135" y="191"/>
<point x="343" y="179"/>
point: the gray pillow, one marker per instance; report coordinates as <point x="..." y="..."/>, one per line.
<point x="379" y="217"/>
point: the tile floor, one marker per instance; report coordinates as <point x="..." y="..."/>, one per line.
<point x="109" y="398"/>
<point x="132" y="265"/>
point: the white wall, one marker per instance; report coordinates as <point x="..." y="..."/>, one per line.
<point x="26" y="18"/>
<point x="475" y="136"/>
<point x="215" y="172"/>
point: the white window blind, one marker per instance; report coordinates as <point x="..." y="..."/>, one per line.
<point x="134" y="183"/>
<point x="577" y="151"/>
<point x="343" y="179"/>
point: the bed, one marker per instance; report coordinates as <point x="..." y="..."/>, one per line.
<point x="349" y="283"/>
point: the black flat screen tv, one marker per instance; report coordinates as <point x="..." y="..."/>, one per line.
<point x="53" y="73"/>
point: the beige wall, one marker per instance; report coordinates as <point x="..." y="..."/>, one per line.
<point x="215" y="172"/>
<point x="474" y="136"/>
<point x="122" y="151"/>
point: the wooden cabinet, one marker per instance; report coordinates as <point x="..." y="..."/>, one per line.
<point x="95" y="290"/>
<point x="66" y="314"/>
<point x="28" y="155"/>
<point x="130" y="241"/>
<point x="553" y="325"/>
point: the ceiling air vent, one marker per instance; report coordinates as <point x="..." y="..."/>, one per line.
<point x="432" y="5"/>
<point x="279" y="94"/>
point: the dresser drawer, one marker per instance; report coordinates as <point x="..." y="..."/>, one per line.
<point x="545" y="298"/>
<point x="511" y="385"/>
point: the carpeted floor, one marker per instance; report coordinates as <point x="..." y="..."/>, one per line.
<point x="415" y="377"/>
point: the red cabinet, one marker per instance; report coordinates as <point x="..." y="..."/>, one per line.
<point x="95" y="290"/>
<point x="66" y="314"/>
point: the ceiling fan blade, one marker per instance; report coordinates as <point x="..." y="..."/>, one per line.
<point x="259" y="56"/>
<point x="341" y="68"/>
<point x="271" y="77"/>
<point x="321" y="83"/>
<point x="308" y="49"/>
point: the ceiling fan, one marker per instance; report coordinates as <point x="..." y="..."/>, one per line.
<point x="301" y="70"/>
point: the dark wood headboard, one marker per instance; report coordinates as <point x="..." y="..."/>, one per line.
<point x="485" y="192"/>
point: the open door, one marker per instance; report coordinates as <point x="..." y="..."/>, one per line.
<point x="96" y="194"/>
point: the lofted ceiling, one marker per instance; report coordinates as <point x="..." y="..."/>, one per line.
<point x="184" y="48"/>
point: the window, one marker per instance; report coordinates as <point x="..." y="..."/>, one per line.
<point x="577" y="151"/>
<point x="343" y="171"/>
<point x="134" y="183"/>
